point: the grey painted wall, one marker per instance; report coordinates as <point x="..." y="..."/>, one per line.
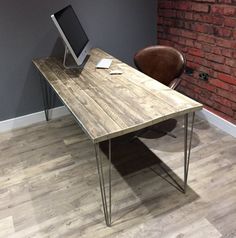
<point x="120" y="27"/>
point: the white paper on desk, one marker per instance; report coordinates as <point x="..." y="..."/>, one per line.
<point x="104" y="64"/>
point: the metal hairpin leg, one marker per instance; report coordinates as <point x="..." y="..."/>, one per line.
<point x="187" y="148"/>
<point x="106" y="208"/>
<point x="48" y="97"/>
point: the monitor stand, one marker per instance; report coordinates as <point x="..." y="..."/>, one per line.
<point x="72" y="64"/>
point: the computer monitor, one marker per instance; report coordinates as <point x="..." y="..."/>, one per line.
<point x="72" y="33"/>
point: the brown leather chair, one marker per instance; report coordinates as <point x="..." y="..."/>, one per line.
<point x="166" y="65"/>
<point x="162" y="63"/>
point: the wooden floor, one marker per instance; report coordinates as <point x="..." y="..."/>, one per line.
<point x="49" y="185"/>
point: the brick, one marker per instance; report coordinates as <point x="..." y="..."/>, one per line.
<point x="224" y="109"/>
<point x="223" y="10"/>
<point x="189" y="42"/>
<point x="227" y="78"/>
<point x="183" y="5"/>
<point x="205" y="85"/>
<point x="189" y="34"/>
<point x="192" y="65"/>
<point x="227" y="52"/>
<point x="203" y="28"/>
<point x="189" y="93"/>
<point x="204" y="100"/>
<point x="165" y="42"/>
<point x="162" y="35"/>
<point x="234" y="34"/>
<point x="200" y="61"/>
<point x="229" y="11"/>
<point x="182" y="40"/>
<point x="222" y="32"/>
<point x="198" y="45"/>
<point x="230" y="22"/>
<point x="214" y="58"/>
<point x="180" y="14"/>
<point x="233" y="89"/>
<point x="225" y="43"/>
<point x="217" y="9"/>
<point x="179" y="23"/>
<point x="165" y="22"/>
<point x="199" y="7"/>
<point x="196" y="52"/>
<point x="220" y="68"/>
<point x="216" y="50"/>
<point x="188" y="15"/>
<point x="187" y="25"/>
<point x="206" y="38"/>
<point x="223" y="101"/>
<point x="207" y="19"/>
<point x="220" y="84"/>
<point x="175" y="31"/>
<point x="207" y="48"/>
<point x="230" y="62"/>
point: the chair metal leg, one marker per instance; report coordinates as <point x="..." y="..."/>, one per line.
<point x="187" y="148"/>
<point x="106" y="208"/>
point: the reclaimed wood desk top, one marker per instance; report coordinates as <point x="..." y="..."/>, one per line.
<point x="107" y="106"/>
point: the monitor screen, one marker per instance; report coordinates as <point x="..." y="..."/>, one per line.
<point x="72" y="29"/>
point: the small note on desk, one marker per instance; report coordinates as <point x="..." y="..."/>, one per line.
<point x="116" y="72"/>
<point x="104" y="64"/>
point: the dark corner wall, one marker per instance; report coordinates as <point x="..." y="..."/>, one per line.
<point x="26" y="32"/>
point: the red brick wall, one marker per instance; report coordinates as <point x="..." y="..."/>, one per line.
<point x="205" y="31"/>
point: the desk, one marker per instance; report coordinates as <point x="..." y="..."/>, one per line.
<point x="107" y="106"/>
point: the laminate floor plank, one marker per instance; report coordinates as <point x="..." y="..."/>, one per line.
<point x="49" y="184"/>
<point x="6" y="227"/>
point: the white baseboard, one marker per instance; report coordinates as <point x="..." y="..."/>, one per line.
<point x="30" y="119"/>
<point x="217" y="121"/>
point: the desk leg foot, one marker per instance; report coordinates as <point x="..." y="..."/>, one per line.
<point x="106" y="205"/>
<point x="187" y="148"/>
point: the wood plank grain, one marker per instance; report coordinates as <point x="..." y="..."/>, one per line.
<point x="107" y="106"/>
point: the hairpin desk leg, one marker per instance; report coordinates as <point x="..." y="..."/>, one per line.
<point x="187" y="148"/>
<point x="106" y="208"/>
<point x="48" y="97"/>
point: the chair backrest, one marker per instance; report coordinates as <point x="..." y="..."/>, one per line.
<point x="162" y="63"/>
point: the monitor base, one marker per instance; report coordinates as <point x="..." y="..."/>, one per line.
<point x="72" y="64"/>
